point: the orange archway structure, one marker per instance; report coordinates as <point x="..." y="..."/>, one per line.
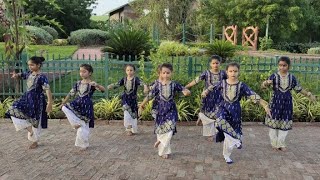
<point x="250" y="37"/>
<point x="230" y="33"/>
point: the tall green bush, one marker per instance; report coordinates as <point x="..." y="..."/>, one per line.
<point x="223" y="48"/>
<point x="39" y="36"/>
<point x="88" y="37"/>
<point x="51" y="31"/>
<point x="128" y="42"/>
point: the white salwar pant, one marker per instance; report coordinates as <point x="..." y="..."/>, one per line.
<point x="83" y="132"/>
<point x="209" y="128"/>
<point x="164" y="146"/>
<point x="277" y="137"/>
<point x="228" y="145"/>
<point x="23" y="124"/>
<point x="129" y="123"/>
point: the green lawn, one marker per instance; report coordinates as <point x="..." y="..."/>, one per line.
<point x="99" y="18"/>
<point x="51" y="52"/>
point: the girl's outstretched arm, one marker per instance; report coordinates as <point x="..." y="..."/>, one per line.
<point x="265" y="105"/>
<point x="308" y="94"/>
<point x="266" y="83"/>
<point x="192" y="83"/>
<point x="98" y="86"/>
<point x="50" y="101"/>
<point x="196" y="80"/>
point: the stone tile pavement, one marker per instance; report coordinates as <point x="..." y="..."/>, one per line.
<point x="113" y="155"/>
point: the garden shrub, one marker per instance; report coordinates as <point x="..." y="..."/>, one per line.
<point x="265" y="43"/>
<point x="128" y="42"/>
<point x="296" y="47"/>
<point x="172" y="48"/>
<point x="51" y="31"/>
<point x="88" y="37"/>
<point x="224" y="49"/>
<point x="39" y="36"/>
<point x="60" y="42"/>
<point x="315" y="50"/>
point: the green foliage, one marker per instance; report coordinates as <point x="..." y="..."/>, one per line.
<point x="56" y="112"/>
<point x="265" y="43"/>
<point x="315" y="50"/>
<point x="128" y="42"/>
<point x="201" y="45"/>
<point x="51" y="31"/>
<point x="39" y="36"/>
<point x="72" y="15"/>
<point x="225" y="49"/>
<point x="60" y="42"/>
<point x="3" y="30"/>
<point x="88" y="37"/>
<point x="169" y="24"/>
<point x="146" y="113"/>
<point x="296" y="47"/>
<point x="16" y="19"/>
<point x="304" y="109"/>
<point x="289" y="20"/>
<point x="183" y="110"/>
<point x="4" y="106"/>
<point x="172" y="48"/>
<point x="108" y="109"/>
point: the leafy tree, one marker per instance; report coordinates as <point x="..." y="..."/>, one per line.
<point x="72" y="15"/>
<point x="289" y="20"/>
<point x="167" y="15"/>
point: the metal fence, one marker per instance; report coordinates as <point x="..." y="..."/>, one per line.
<point x="63" y="73"/>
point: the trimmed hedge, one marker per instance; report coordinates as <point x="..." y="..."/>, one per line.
<point x="51" y="31"/>
<point x="296" y="47"/>
<point x="39" y="36"/>
<point x="88" y="37"/>
<point x="315" y="50"/>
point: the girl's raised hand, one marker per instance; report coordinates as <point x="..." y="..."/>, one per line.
<point x="92" y="83"/>
<point x="268" y="111"/>
<point x="14" y="75"/>
<point x="204" y="93"/>
<point x="313" y="98"/>
<point x="186" y="92"/>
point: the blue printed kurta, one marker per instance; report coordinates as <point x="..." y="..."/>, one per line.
<point x="228" y="112"/>
<point x="167" y="116"/>
<point x="129" y="97"/>
<point x="32" y="104"/>
<point x="281" y="102"/>
<point x="214" y="97"/>
<point x="82" y="105"/>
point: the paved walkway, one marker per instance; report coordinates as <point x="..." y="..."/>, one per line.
<point x="86" y="53"/>
<point x="113" y="155"/>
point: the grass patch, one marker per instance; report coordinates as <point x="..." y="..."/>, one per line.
<point x="51" y="52"/>
<point x="99" y="18"/>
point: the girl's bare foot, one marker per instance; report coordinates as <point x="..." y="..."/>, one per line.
<point x="156" y="144"/>
<point x="77" y="126"/>
<point x="198" y="122"/>
<point x="83" y="149"/>
<point x="33" y="145"/>
<point x="283" y="149"/>
<point x="210" y="139"/>
<point x="29" y="128"/>
<point x="129" y="133"/>
<point x="166" y="156"/>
